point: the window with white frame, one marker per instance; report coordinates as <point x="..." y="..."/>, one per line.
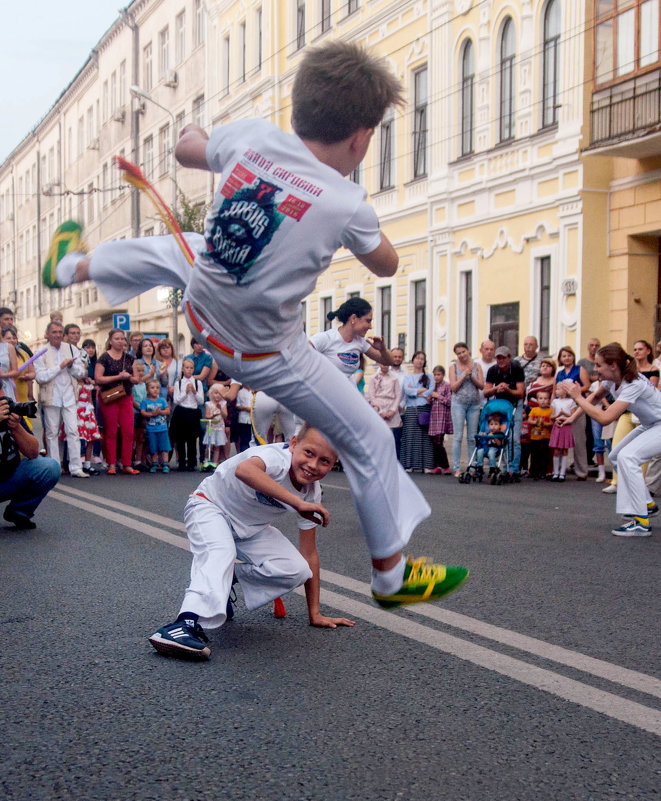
<point x="199" y="21"/>
<point x="384" y="294"/>
<point x="180" y="37"/>
<point x="259" y="22"/>
<point x="147" y="70"/>
<point x="419" y="298"/>
<point x="544" y="302"/>
<point x="148" y="156"/>
<point x="179" y="122"/>
<point x="325" y="15"/>
<point x="164" y="149"/>
<point x="89" y="130"/>
<point x="81" y="142"/>
<point x="300" y="24"/>
<point x="550" y="67"/>
<point x="386" y="150"/>
<point x="466" y="307"/>
<point x="122" y="84"/>
<point x="352" y="5"/>
<point x="105" y="106"/>
<point x="90" y="202"/>
<point x="506" y="81"/>
<point x="198" y="111"/>
<point x="355" y="175"/>
<point x="113" y="92"/>
<point x="164" y="52"/>
<point x="467" y="98"/>
<point x="420" y="123"/>
<point x="326" y="306"/>
<point x="242" y="53"/>
<point x="226" y="65"/>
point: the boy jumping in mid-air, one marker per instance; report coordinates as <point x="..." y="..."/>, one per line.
<point x="282" y="209"/>
<point x="231" y="514"/>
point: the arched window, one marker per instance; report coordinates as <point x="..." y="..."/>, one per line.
<point x="550" y="65"/>
<point x="507" y="81"/>
<point x="467" y="98"/>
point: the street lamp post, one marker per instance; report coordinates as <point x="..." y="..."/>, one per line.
<point x="136" y="91"/>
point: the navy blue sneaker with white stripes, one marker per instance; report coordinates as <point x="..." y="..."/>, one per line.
<point x="182" y="640"/>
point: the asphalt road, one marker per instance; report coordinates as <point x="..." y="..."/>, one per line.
<point x="539" y="679"/>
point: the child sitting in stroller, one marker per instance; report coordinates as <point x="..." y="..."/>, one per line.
<point x="493" y="440"/>
<point x="490" y="441"/>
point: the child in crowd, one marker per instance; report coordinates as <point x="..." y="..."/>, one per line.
<point x="384" y="393"/>
<point x="561" y="439"/>
<point x="230" y="515"/>
<point x="139" y="394"/>
<point x="155" y="410"/>
<point x="243" y="424"/>
<point x="491" y="442"/>
<point x="187" y="397"/>
<point x="600" y="440"/>
<point x="216" y="412"/>
<point x="525" y="441"/>
<point x="281" y="210"/>
<point x="88" y="431"/>
<point x="540" y="425"/>
<point x="440" y="420"/>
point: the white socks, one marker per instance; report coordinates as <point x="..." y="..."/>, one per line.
<point x="387" y="582"/>
<point x="556" y="465"/>
<point x="65" y="272"/>
<point x="559" y="465"/>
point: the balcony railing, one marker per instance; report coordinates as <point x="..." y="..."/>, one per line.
<point x="625" y="111"/>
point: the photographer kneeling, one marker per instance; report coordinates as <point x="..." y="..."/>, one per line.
<point x="24" y="482"/>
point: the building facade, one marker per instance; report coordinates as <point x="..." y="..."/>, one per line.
<point x="520" y="182"/>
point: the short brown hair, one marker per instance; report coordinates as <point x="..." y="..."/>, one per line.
<point x="340" y="88"/>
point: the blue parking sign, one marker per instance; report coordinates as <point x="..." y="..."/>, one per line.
<point x="121" y="321"/>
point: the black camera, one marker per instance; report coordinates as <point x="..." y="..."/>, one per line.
<point x="28" y="409"/>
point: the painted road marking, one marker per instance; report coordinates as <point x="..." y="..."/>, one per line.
<point x="607" y="703"/>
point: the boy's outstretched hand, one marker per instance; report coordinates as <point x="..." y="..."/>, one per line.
<point x="314" y="512"/>
<point x="329" y="622"/>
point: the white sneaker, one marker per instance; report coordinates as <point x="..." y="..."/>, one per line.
<point x="79" y="474"/>
<point x="600" y="479"/>
<point x="611" y="489"/>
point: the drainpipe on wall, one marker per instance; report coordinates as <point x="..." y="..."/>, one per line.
<point x="129" y="21"/>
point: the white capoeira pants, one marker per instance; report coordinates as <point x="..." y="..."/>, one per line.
<point x="270" y="565"/>
<point x="263" y="409"/>
<point x="628" y="458"/>
<point x="53" y="415"/>
<point x="388" y="503"/>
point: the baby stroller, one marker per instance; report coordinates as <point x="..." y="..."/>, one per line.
<point x="502" y="442"/>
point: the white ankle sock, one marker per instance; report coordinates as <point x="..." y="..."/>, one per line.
<point x="601" y="469"/>
<point x="563" y="465"/>
<point x="556" y="465"/>
<point x="386" y="582"/>
<point x="65" y="272"/>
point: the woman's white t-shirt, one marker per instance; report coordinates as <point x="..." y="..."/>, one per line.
<point x="644" y="399"/>
<point x="344" y="355"/>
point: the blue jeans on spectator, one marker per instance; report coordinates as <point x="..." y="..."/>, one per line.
<point x="600" y="445"/>
<point x="461" y="413"/>
<point x="30" y="483"/>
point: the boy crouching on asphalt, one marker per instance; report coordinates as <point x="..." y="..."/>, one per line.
<point x="230" y="516"/>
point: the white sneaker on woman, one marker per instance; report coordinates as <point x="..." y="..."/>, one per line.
<point x="610" y="489"/>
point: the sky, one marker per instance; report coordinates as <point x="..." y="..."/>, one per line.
<point x="43" y="44"/>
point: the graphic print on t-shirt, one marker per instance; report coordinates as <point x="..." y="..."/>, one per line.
<point x="350" y="359"/>
<point x="252" y="211"/>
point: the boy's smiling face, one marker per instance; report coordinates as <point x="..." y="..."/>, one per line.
<point x="312" y="458"/>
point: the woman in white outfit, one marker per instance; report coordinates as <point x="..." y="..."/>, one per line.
<point x="263" y="408"/>
<point x="618" y="374"/>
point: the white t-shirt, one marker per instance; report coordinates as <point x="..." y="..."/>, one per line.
<point x="278" y="217"/>
<point x="644" y="399"/>
<point x="562" y="407"/>
<point x="247" y="510"/>
<point x="344" y="355"/>
<point x="243" y="398"/>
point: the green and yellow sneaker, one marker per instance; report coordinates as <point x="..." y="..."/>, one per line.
<point x="67" y="238"/>
<point x="423" y="582"/>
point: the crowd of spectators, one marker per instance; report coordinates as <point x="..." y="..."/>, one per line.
<point x="430" y="408"/>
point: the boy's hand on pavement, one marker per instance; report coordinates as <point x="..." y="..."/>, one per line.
<point x="321" y="621"/>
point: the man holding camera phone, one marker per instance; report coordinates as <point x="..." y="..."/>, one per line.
<point x="25" y="477"/>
